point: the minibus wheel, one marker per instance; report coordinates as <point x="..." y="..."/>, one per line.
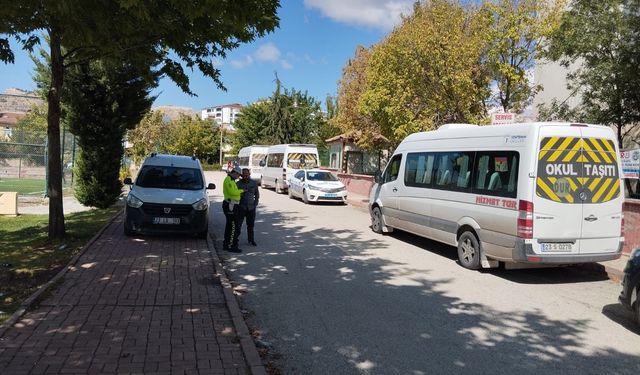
<point x="376" y="220"/>
<point x="278" y="190"/>
<point x="469" y="251"/>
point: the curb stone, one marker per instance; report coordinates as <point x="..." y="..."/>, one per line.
<point x="252" y="358"/>
<point x="29" y="302"/>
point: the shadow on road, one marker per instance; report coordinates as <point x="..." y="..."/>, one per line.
<point x="335" y="297"/>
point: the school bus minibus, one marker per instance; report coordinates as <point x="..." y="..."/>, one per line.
<point x="522" y="194"/>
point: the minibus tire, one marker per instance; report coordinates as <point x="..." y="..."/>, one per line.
<point x="278" y="190"/>
<point x="376" y="215"/>
<point x="468" y="243"/>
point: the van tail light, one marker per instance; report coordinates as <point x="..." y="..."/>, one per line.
<point x="525" y="219"/>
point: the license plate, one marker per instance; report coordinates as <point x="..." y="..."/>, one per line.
<point x="556" y="247"/>
<point x="331" y="195"/>
<point x="166" y="220"/>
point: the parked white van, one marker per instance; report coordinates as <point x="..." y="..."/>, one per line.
<point x="250" y="157"/>
<point x="533" y="193"/>
<point x="283" y="160"/>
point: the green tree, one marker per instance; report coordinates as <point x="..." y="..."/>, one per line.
<point x="250" y="126"/>
<point x="103" y="101"/>
<point x="32" y="128"/>
<point x="428" y="71"/>
<point x="140" y="32"/>
<point x="518" y="31"/>
<point x="152" y="134"/>
<point x="193" y="137"/>
<point x="350" y="118"/>
<point x="602" y="37"/>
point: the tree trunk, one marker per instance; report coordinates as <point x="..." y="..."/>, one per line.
<point x="54" y="182"/>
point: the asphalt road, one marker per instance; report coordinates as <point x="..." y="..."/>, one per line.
<point x="335" y="298"/>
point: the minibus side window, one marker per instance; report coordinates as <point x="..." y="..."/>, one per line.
<point x="496" y="173"/>
<point x="419" y="169"/>
<point x="454" y="171"/>
<point x="393" y="169"/>
<point x="275" y="160"/>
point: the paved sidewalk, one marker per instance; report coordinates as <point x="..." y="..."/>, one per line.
<point x="131" y="305"/>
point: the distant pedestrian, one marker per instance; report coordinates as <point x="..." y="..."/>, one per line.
<point x="248" y="204"/>
<point x="231" y="208"/>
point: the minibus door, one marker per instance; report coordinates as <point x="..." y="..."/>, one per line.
<point x="557" y="209"/>
<point x="602" y="203"/>
<point x="389" y="190"/>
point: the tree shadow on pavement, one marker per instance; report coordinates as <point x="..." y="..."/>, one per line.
<point x="330" y="302"/>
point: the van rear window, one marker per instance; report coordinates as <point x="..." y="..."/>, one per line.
<point x="299" y="160"/>
<point x="577" y="170"/>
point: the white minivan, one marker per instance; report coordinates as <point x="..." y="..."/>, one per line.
<point x="283" y="160"/>
<point x="169" y="196"/>
<point x="531" y="193"/>
<point x="250" y="157"/>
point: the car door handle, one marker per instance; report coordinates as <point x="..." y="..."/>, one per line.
<point x="591" y="218"/>
<point x="395" y="190"/>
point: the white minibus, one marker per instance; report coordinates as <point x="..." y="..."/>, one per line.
<point x="522" y="194"/>
<point x="283" y="160"/>
<point x="250" y="157"/>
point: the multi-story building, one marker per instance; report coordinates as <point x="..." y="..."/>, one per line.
<point x="222" y="114"/>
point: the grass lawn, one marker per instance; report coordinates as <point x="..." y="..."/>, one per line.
<point x="28" y="259"/>
<point x="22" y="185"/>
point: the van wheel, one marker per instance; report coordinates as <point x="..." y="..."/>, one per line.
<point x="278" y="189"/>
<point x="305" y="199"/>
<point x="376" y="220"/>
<point x="469" y="251"/>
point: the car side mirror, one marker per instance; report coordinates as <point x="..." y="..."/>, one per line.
<point x="377" y="178"/>
<point x="127" y="181"/>
<point x="211" y="186"/>
<point x="262" y="163"/>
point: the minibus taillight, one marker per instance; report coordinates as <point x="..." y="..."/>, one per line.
<point x="525" y="219"/>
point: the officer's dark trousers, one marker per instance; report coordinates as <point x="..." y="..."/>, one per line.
<point x="232" y="226"/>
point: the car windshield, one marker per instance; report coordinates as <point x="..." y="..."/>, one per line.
<point x="321" y="176"/>
<point x="153" y="176"/>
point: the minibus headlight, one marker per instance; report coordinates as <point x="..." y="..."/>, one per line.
<point x="133" y="201"/>
<point x="201" y="205"/>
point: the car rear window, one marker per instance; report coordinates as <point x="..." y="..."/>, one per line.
<point x="152" y="176"/>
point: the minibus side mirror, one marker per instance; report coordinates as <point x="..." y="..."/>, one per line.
<point x="127" y="181"/>
<point x="262" y="163"/>
<point x="211" y="186"/>
<point x="377" y="178"/>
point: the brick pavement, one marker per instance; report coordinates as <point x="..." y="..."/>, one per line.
<point x="130" y="305"/>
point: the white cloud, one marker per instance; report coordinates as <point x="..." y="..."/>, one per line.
<point x="285" y="64"/>
<point x="267" y="52"/>
<point x="382" y="14"/>
<point x="242" y="63"/>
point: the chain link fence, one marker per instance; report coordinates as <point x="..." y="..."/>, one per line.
<point x="23" y="161"/>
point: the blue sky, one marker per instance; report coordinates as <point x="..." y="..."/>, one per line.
<point x="308" y="51"/>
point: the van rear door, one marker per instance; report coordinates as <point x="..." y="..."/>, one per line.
<point x="557" y="218"/>
<point x="602" y="197"/>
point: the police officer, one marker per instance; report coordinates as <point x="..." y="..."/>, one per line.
<point x="231" y="208"/>
<point x="248" y="203"/>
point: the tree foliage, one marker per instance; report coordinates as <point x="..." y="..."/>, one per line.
<point x="150" y="135"/>
<point x="192" y="136"/>
<point x="517" y="34"/>
<point x="143" y="33"/>
<point x="602" y="37"/>
<point x="350" y="119"/>
<point x="103" y="101"/>
<point x="428" y="71"/>
<point x="287" y="116"/>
